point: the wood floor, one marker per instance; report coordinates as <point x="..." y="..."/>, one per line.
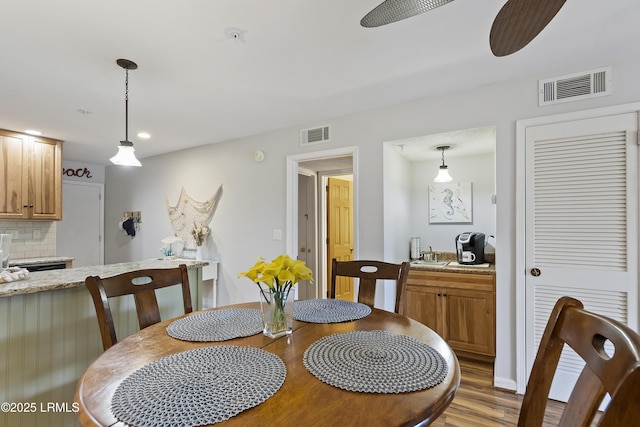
<point x="478" y="403"/>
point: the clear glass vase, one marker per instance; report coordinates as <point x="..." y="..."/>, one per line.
<point x="277" y="310"/>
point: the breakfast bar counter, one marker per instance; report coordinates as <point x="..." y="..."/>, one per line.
<point x="49" y="335"/>
<point x="39" y="281"/>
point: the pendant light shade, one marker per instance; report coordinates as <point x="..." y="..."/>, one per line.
<point x="443" y="172"/>
<point x="126" y="153"/>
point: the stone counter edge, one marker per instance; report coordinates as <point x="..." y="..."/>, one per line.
<point x="491" y="270"/>
<point x="40" y="281"/>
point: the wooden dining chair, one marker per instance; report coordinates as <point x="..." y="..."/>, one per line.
<point x="613" y="369"/>
<point x="142" y="285"/>
<point x="368" y="273"/>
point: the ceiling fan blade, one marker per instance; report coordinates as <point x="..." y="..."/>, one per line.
<point x="396" y="10"/>
<point x="519" y="22"/>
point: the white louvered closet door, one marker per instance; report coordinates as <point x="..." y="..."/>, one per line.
<point x="581" y="226"/>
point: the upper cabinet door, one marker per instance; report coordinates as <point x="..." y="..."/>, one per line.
<point x="30" y="177"/>
<point x="13" y="175"/>
<point x="45" y="179"/>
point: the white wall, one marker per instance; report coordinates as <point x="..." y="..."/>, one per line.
<point x="479" y="170"/>
<point x="406" y="204"/>
<point x="83" y="172"/>
<point x="253" y="203"/>
<point x="397" y="206"/>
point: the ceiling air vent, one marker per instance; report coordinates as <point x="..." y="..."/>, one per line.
<point x="574" y="87"/>
<point x="314" y="136"/>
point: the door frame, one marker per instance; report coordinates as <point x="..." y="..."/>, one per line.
<point x="520" y="265"/>
<point x="291" y="243"/>
<point x="312" y="262"/>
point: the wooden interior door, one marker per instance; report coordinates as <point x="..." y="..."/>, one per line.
<point x="340" y="232"/>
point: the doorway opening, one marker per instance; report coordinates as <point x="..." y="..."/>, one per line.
<point x="307" y="177"/>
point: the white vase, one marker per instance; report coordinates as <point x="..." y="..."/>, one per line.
<point x="199" y="254"/>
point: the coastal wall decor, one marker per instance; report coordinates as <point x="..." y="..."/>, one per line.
<point x="450" y="203"/>
<point x="189" y="214"/>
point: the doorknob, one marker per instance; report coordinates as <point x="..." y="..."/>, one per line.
<point x="535" y="272"/>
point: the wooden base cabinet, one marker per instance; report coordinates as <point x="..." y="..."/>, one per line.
<point x="460" y="307"/>
<point x="30" y="177"/>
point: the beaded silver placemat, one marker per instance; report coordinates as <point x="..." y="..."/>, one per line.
<point x="198" y="387"/>
<point x="217" y="325"/>
<point x="329" y="310"/>
<point x="375" y="362"/>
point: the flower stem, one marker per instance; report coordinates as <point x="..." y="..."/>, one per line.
<point x="276" y="297"/>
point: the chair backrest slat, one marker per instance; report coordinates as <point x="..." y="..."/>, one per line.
<point x="368" y="273"/>
<point x="142" y="284"/>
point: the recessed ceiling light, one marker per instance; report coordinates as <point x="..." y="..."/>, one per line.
<point x="33" y="132"/>
<point x="144" y="135"/>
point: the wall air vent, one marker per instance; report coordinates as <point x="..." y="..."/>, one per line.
<point x="574" y="87"/>
<point x="314" y="136"/>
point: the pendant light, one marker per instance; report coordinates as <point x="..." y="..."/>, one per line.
<point x="443" y="172"/>
<point x="126" y="155"/>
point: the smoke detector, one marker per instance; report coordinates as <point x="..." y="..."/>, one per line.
<point x="235" y="34"/>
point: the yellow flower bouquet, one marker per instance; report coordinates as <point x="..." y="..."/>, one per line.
<point x="279" y="276"/>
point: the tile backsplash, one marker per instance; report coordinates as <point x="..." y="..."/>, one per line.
<point x="31" y="239"/>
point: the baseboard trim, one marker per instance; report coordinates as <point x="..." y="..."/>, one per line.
<point x="504" y="383"/>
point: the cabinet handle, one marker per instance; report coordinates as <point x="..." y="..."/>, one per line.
<point x="444" y="295"/>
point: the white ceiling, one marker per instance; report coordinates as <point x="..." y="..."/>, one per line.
<point x="296" y="63"/>
<point x="463" y="142"/>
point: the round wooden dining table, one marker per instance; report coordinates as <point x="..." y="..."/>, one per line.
<point x="302" y="400"/>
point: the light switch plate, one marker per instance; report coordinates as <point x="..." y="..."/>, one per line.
<point x="277" y="234"/>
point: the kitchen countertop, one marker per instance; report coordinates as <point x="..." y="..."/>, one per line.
<point x="39" y="260"/>
<point x="455" y="268"/>
<point x="39" y="281"/>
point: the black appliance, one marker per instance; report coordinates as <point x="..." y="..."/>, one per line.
<point x="44" y="266"/>
<point x="470" y="248"/>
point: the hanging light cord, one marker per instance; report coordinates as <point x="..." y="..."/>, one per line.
<point x="442" y="149"/>
<point x="126" y="105"/>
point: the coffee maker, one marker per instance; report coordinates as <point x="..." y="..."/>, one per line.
<point x="470" y="248"/>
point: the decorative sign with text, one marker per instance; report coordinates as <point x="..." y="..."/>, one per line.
<point x="77" y="173"/>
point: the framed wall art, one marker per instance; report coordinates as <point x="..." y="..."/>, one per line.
<point x="450" y="203"/>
